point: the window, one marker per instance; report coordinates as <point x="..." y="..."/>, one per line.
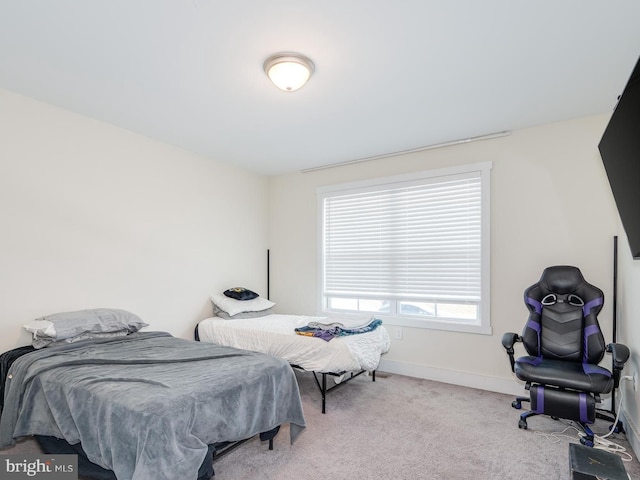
<point x="411" y="249"/>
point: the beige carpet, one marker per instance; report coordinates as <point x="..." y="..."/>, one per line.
<point x="406" y="428"/>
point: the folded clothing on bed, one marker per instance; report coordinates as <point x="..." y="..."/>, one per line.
<point x="325" y="326"/>
<point x="327" y="334"/>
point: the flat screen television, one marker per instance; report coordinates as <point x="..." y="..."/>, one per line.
<point x="620" y="152"/>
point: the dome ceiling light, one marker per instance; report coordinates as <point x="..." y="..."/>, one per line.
<point x="288" y="71"/>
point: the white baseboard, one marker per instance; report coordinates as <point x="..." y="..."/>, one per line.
<point x="493" y="384"/>
<point x="631" y="432"/>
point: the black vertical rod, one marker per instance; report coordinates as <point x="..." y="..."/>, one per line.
<point x="268" y="274"/>
<point x="615" y="311"/>
<point x="615" y="288"/>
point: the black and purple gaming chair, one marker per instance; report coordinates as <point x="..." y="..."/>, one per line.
<point x="565" y="346"/>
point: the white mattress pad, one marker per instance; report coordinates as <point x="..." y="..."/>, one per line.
<point x="275" y="335"/>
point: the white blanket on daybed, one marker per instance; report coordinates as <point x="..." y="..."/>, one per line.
<point x="275" y="335"/>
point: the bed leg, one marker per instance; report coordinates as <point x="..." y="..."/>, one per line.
<point x="324" y="392"/>
<point x="373" y="376"/>
<point x="271" y="444"/>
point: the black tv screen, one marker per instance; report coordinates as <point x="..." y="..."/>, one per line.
<point x="620" y="152"/>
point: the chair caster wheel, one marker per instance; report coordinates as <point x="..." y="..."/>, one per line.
<point x="617" y="428"/>
<point x="522" y="424"/>
<point x="516" y="404"/>
<point x="586" y="442"/>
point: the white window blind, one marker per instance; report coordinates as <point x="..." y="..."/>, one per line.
<point x="417" y="239"/>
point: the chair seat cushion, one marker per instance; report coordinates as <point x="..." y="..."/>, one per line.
<point x="577" y="376"/>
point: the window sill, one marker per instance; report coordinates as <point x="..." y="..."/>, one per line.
<point x="430" y="324"/>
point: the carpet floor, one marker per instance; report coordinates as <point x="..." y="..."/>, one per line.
<point x="406" y="428"/>
<point x="401" y="428"/>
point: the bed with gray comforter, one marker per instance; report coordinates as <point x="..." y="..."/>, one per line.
<point x="147" y="405"/>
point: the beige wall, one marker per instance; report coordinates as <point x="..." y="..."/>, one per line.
<point x="550" y="205"/>
<point x="95" y="216"/>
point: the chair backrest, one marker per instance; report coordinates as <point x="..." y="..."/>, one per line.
<point x="563" y="317"/>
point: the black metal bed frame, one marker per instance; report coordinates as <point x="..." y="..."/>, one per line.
<point x="223" y="448"/>
<point x="322" y="386"/>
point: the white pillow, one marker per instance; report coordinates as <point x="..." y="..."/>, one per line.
<point x="43" y="328"/>
<point x="233" y="306"/>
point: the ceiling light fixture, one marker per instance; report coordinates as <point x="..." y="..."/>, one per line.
<point x="289" y="71"/>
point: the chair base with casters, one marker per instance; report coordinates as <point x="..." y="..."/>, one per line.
<point x="565" y="346"/>
<point x="570" y="405"/>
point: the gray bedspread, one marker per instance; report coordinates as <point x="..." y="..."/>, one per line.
<point x="147" y="405"/>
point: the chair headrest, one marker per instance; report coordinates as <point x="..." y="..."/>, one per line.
<point x="561" y="279"/>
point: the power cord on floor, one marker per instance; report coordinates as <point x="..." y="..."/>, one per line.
<point x="599" y="441"/>
<point x="556" y="437"/>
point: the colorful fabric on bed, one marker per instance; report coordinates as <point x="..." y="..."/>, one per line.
<point x="327" y="332"/>
<point x="148" y="405"/>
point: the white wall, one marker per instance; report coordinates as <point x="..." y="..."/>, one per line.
<point x="550" y="205"/>
<point x="95" y="216"/>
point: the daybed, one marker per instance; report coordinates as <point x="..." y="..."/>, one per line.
<point x="147" y="405"/>
<point x="343" y="357"/>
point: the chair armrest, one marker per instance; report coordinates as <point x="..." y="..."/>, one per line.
<point x="620" y="354"/>
<point x="509" y="339"/>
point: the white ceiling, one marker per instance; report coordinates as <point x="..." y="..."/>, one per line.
<point x="390" y="75"/>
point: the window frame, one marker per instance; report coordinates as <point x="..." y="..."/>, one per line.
<point x="483" y="324"/>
